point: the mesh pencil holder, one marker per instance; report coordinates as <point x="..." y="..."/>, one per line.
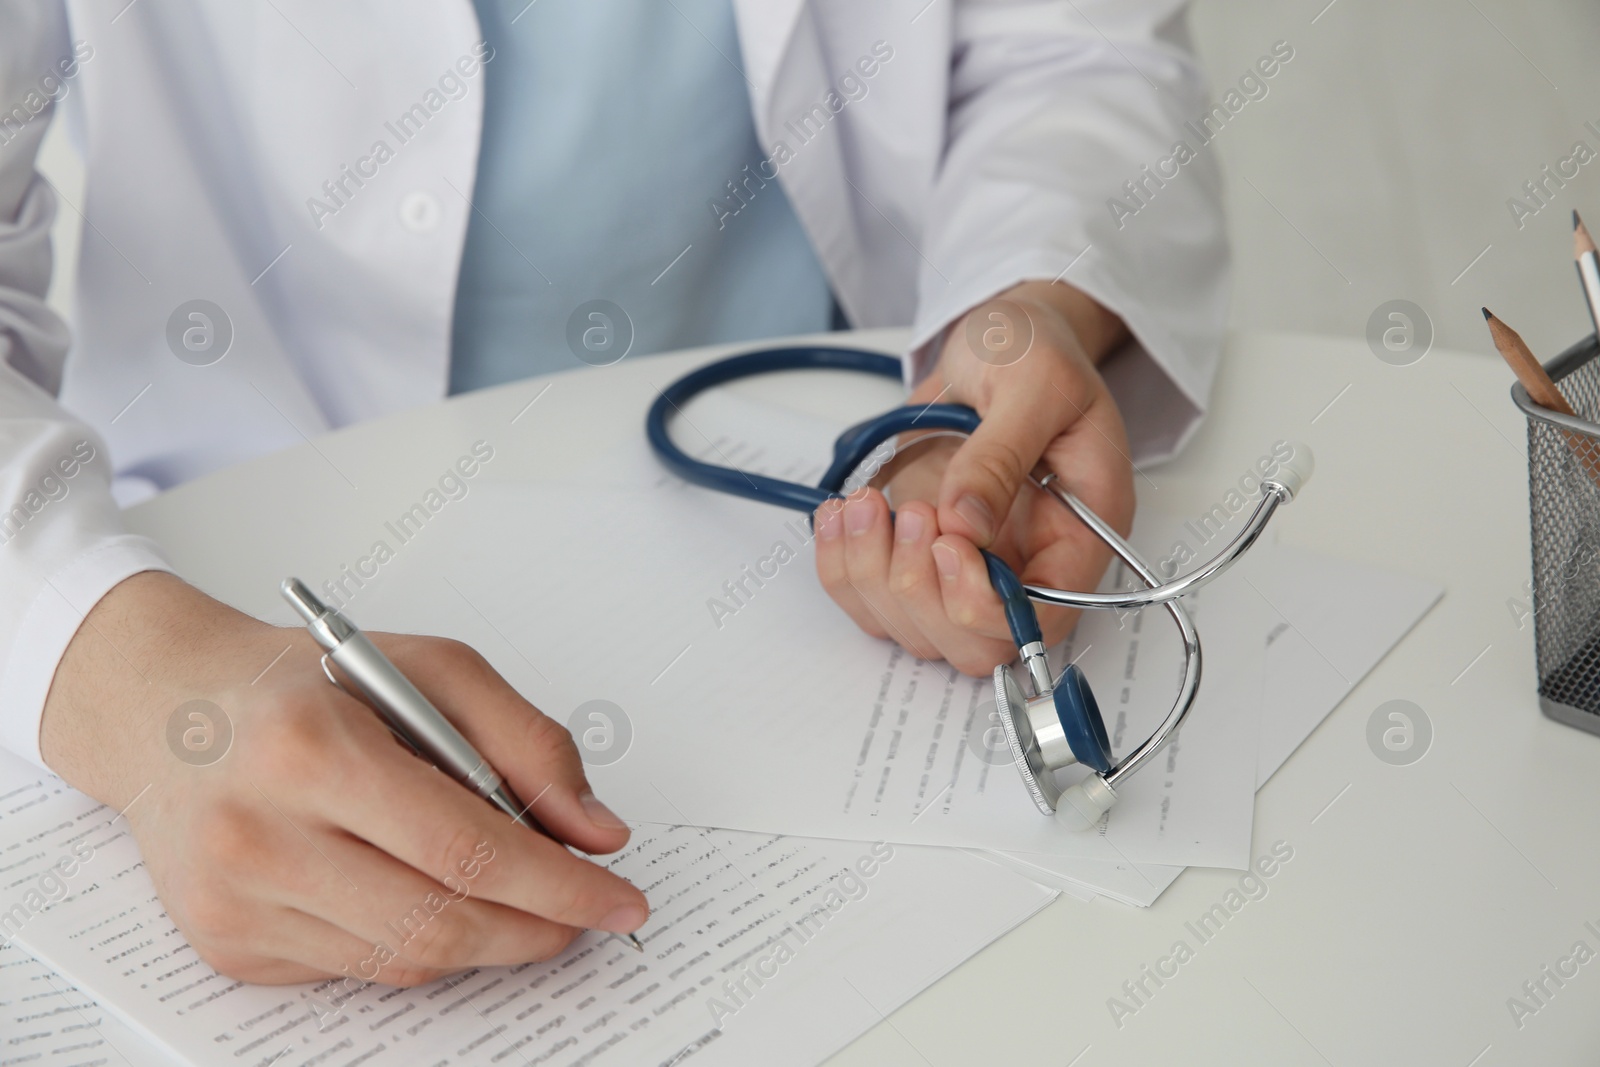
<point x="1564" y="517"/>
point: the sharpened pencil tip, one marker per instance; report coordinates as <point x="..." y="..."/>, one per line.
<point x="1487" y="314"/>
<point x="1582" y="243"/>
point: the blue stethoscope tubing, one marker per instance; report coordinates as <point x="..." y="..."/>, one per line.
<point x="1060" y="724"/>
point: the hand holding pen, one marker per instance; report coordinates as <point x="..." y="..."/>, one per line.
<point x="403" y="708"/>
<point x="289" y="837"/>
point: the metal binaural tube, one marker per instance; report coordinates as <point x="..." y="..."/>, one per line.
<point x="1180" y="615"/>
<point x="1157" y="592"/>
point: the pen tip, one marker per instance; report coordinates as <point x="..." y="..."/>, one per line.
<point x="634" y="941"/>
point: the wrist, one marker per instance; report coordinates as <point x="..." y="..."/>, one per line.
<point x="1097" y="329"/>
<point x="1066" y="335"/>
<point x="151" y="643"/>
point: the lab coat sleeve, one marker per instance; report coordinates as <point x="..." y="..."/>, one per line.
<point x="62" y="545"/>
<point x="1054" y="106"/>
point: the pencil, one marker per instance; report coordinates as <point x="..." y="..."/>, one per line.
<point x="1541" y="389"/>
<point x="1529" y="371"/>
<point x="1588" y="263"/>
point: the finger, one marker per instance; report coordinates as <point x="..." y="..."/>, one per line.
<point x="1029" y="409"/>
<point x="276" y="958"/>
<point x="969" y="599"/>
<point x="534" y="753"/>
<point x="434" y="924"/>
<point x="1063" y="565"/>
<point x="292" y="946"/>
<point x="915" y="582"/>
<point x="912" y="575"/>
<point x="868" y="548"/>
<point x="1068" y="554"/>
<point x="428" y="821"/>
<point x="832" y="570"/>
<point x="1091" y="460"/>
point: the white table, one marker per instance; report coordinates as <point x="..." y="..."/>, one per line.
<point x="1419" y="897"/>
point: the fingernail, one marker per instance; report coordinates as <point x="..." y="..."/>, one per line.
<point x="978" y="516"/>
<point x="828" y="525"/>
<point x="907" y="526"/>
<point x="858" y="516"/>
<point x="947" y="559"/>
<point x="599" y="814"/>
<point x="625" y="920"/>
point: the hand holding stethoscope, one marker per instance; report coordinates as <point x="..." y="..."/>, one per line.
<point x="896" y="568"/>
<point x="1057" y="722"/>
<point x="921" y="580"/>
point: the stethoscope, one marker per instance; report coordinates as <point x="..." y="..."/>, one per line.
<point x="1058" y="723"/>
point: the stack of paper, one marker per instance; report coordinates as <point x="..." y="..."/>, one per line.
<point x="797" y="788"/>
<point x="780" y="719"/>
<point x="752" y="707"/>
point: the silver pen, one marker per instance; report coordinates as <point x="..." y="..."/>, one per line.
<point x="408" y="713"/>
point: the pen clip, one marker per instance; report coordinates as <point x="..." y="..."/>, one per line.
<point x="327" y="670"/>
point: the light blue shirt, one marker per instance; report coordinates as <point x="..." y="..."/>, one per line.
<point x="610" y="129"/>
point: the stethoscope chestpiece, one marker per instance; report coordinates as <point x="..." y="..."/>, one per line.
<point x="1051" y="730"/>
<point x="1026" y="752"/>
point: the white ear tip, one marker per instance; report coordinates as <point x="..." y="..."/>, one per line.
<point x="1082" y="805"/>
<point x="1294" y="472"/>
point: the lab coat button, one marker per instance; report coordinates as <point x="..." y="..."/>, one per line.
<point x="420" y="211"/>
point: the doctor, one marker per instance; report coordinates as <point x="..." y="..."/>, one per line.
<point x="301" y="215"/>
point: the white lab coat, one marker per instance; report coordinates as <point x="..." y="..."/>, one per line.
<point x="984" y="154"/>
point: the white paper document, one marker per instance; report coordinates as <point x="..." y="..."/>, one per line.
<point x="759" y="949"/>
<point x="46" y="1021"/>
<point x="1336" y="621"/>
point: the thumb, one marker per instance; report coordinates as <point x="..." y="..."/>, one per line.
<point x="989" y="469"/>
